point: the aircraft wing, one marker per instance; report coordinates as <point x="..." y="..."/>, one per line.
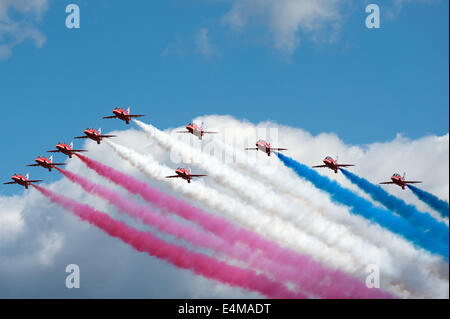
<point x="345" y="165"/>
<point x="35" y="181"/>
<point x="278" y="149"/>
<point x="33" y="165"/>
<point x="58" y="164"/>
<point x="110" y="117"/>
<point x="319" y="166"/>
<point x="173" y="176"/>
<point x="81" y="137"/>
<point x="73" y="151"/>
<point x="108" y="135"/>
<point x="412" y="182"/>
<point x="387" y="183"/>
<point x="183" y="132"/>
<point x="251" y="148"/>
<point x="54" y="151"/>
<point x="209" y="132"/>
<point x="9" y="183"/>
<point x="136" y="115"/>
<point x="197" y="175"/>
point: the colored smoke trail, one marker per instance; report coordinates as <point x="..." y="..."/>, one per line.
<point x="285" y="183"/>
<point x="239" y="212"/>
<point x="176" y="255"/>
<point x="433" y="201"/>
<point x="418" y="219"/>
<point x="311" y="275"/>
<point x="317" y="230"/>
<point x="366" y="209"/>
<point x="185" y="232"/>
<point x="430" y="270"/>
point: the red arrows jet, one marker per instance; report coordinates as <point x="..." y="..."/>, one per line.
<point x="46" y="163"/>
<point x="332" y="164"/>
<point x="66" y="149"/>
<point x="94" y="135"/>
<point x="400" y="181"/>
<point x="265" y="147"/>
<point x="23" y="180"/>
<point x="196" y="130"/>
<point x="184" y="174"/>
<point x="120" y="113"/>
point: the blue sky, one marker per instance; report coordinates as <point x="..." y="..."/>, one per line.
<point x="175" y="60"/>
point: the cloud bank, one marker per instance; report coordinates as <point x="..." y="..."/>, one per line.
<point x="39" y="239"/>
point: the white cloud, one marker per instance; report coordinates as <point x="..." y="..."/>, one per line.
<point x="287" y="20"/>
<point x="176" y="47"/>
<point x="392" y="9"/>
<point x="203" y="44"/>
<point x="51" y="245"/>
<point x="11" y="221"/>
<point x="14" y="31"/>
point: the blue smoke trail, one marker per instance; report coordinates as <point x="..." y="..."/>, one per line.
<point x="434" y="202"/>
<point x="421" y="220"/>
<point x="363" y="207"/>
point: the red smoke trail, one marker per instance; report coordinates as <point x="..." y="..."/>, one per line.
<point x="179" y="256"/>
<point x="181" y="231"/>
<point x="314" y="277"/>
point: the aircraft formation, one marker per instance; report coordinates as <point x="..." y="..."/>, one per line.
<point x="180" y="172"/>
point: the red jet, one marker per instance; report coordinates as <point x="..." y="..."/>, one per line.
<point x="184" y="174"/>
<point x="400" y="181"/>
<point x="23" y="181"/>
<point x="120" y="113"/>
<point x="265" y="147"/>
<point x="46" y="163"/>
<point x="332" y="164"/>
<point x="196" y="130"/>
<point x="94" y="135"/>
<point x="66" y="149"/>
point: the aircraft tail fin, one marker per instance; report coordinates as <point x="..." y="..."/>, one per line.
<point x="51" y="158"/>
<point x="27" y="176"/>
<point x="100" y="130"/>
<point x="128" y="110"/>
<point x="71" y="144"/>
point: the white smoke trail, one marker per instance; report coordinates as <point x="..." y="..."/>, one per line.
<point x="276" y="229"/>
<point x="320" y="203"/>
<point x="238" y="212"/>
<point x="250" y="191"/>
